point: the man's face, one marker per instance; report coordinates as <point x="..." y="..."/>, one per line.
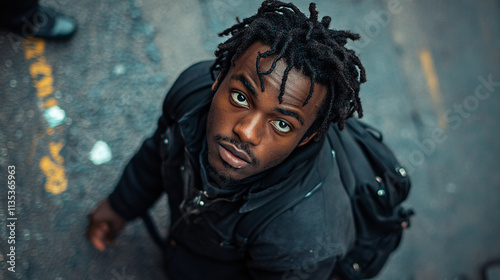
<point x="248" y="130"/>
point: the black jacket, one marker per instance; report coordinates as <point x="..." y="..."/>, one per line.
<point x="304" y="242"/>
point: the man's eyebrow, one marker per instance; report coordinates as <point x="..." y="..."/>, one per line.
<point x="291" y="114"/>
<point x="245" y="82"/>
<point x="282" y="111"/>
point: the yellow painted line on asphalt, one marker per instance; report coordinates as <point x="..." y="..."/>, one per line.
<point x="54" y="149"/>
<point x="33" y="48"/>
<point x="56" y="178"/>
<point x="52" y="165"/>
<point x="41" y="72"/>
<point x="49" y="103"/>
<point x="433" y="85"/>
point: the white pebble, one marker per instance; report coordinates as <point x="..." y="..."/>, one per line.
<point x="100" y="153"/>
<point x="54" y="115"/>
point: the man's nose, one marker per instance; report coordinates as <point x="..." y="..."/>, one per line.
<point x="250" y="129"/>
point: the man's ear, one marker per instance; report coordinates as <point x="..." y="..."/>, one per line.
<point x="216" y="81"/>
<point x="305" y="141"/>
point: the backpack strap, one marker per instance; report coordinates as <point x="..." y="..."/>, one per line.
<point x="345" y="170"/>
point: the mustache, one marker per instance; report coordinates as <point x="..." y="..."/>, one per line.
<point x="240" y="145"/>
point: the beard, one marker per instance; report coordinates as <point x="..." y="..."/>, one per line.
<point x="220" y="179"/>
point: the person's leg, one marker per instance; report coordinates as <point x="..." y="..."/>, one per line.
<point x="29" y="19"/>
<point x="12" y="12"/>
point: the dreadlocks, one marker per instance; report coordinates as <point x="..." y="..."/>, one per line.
<point x="310" y="47"/>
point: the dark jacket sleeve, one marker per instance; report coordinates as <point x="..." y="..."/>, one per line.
<point x="141" y="183"/>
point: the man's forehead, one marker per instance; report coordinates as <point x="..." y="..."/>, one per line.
<point x="296" y="89"/>
<point x="297" y="84"/>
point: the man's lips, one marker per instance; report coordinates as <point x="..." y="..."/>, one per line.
<point x="234" y="156"/>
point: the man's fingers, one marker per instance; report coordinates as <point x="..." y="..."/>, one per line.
<point x="104" y="226"/>
<point x="97" y="235"/>
<point x="98" y="244"/>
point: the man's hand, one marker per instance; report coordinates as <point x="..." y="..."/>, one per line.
<point x="104" y="226"/>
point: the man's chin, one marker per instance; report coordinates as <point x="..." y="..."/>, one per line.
<point x="222" y="179"/>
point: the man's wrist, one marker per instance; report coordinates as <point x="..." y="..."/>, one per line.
<point x="120" y="207"/>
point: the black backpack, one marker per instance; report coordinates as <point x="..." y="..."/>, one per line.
<point x="376" y="185"/>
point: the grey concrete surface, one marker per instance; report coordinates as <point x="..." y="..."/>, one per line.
<point x="110" y="80"/>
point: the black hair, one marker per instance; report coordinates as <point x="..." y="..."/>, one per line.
<point x="306" y="44"/>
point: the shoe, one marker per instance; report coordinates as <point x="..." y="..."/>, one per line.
<point x="48" y="24"/>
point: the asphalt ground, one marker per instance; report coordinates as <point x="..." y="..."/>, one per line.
<point x="433" y="90"/>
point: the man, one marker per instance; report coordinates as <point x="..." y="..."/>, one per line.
<point x="226" y="149"/>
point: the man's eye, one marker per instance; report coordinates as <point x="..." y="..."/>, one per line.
<point x="239" y="98"/>
<point x="282" y="126"/>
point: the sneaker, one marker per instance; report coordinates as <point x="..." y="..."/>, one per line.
<point x="48" y="24"/>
